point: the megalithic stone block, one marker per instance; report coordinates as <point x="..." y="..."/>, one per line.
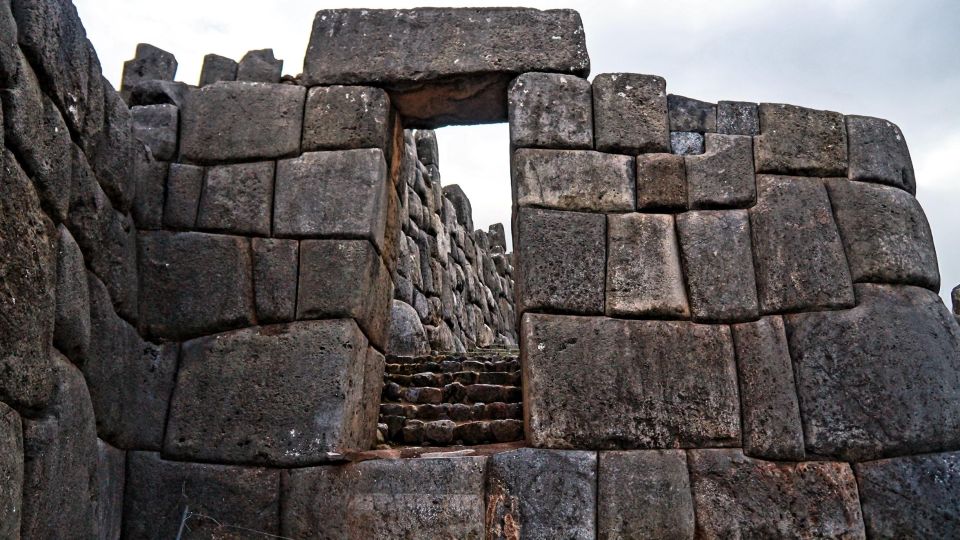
<point x="184" y="184"/>
<point x="574" y="180"/>
<point x="156" y="126"/>
<point x="149" y="63"/>
<point x="275" y="269"/>
<point x="111" y="473"/>
<point x="688" y="114"/>
<point x="347" y="117"/>
<point x="151" y="180"/>
<point x="217" y="68"/>
<point x="550" y="110"/>
<point x="11" y="472"/>
<point x="444" y="66"/>
<point x="722" y="177"/>
<point x="237" y="198"/>
<point x="260" y="66"/>
<point x="879" y="153"/>
<point x="159" y="93"/>
<point x="801" y="141"/>
<point x="738" y="118"/>
<point x="661" y="182"/>
<point x="630" y="113"/>
<point x="72" y="329"/>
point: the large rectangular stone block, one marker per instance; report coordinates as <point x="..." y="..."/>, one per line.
<point x="444" y="66"/>
<point x="881" y="379"/>
<point x="661" y="182"/>
<point x="879" y="153"/>
<point x="797" y="250"/>
<point x="237" y="198"/>
<point x="534" y="493"/>
<point x="593" y="382"/>
<point x="71" y="333"/>
<point x="150" y="177"/>
<point x="738" y="118"/>
<point x="387" y="498"/>
<point x="630" y="113"/>
<point x="194" y="283"/>
<point x="157" y="127"/>
<point x="722" y="177"/>
<point x="802" y="141"/>
<point x="739" y="497"/>
<point x="561" y="259"/>
<point x="11" y="472"/>
<point x="111" y="473"/>
<point x="284" y="395"/>
<point x="346" y="118"/>
<point x="217" y="501"/>
<point x="549" y="110"/>
<point x="275" y="269"/>
<point x="688" y="114"/>
<point x="234" y="121"/>
<point x="574" y="180"/>
<point x="184" y="184"/>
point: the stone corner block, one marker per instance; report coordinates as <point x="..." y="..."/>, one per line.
<point x="879" y="153"/>
<point x="630" y="113"/>
<point x="578" y="180"/>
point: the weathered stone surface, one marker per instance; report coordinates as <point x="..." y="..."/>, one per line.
<point x="193" y="284"/>
<point x="534" y="493"/>
<point x="686" y="143"/>
<point x="156" y="126"/>
<point x="407" y="336"/>
<point x="879" y="153"/>
<point x="461" y="204"/>
<point x="643" y="267"/>
<point x="739" y="497"/>
<point x="275" y="267"/>
<point x="111" y="465"/>
<point x="230" y="121"/>
<point x="910" y="497"/>
<point x="150" y="177"/>
<point x="217" y="68"/>
<point x="497" y="237"/>
<point x="27" y="283"/>
<point x="768" y="395"/>
<point x="560" y="261"/>
<point x="60" y="462"/>
<point x="387" y="498"/>
<point x="715" y="246"/>
<point x="284" y="395"/>
<point x="644" y="494"/>
<point x="797" y="250"/>
<point x="130" y="380"/>
<point x="797" y="140"/>
<point x="896" y="390"/>
<point x="184" y="184"/>
<point x="347" y="117"/>
<point x="260" y="66"/>
<point x="9" y="51"/>
<point x="688" y="114"/>
<point x="11" y="472"/>
<point x="337" y="193"/>
<point x="110" y="151"/>
<point x="428" y="152"/>
<point x="955" y="296"/>
<point x="738" y="118"/>
<point x="574" y="180"/>
<point x="149" y="63"/>
<point x="549" y="110"/>
<point x="630" y="113"/>
<point x="722" y="177"/>
<point x="71" y="333"/>
<point x="345" y="278"/>
<point x="222" y="501"/>
<point x="237" y="198"/>
<point x="885" y="234"/>
<point x="159" y="93"/>
<point x="647" y="384"/>
<point x="444" y="66"/>
<point x="661" y="182"/>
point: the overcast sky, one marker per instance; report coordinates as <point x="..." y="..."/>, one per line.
<point x="895" y="59"/>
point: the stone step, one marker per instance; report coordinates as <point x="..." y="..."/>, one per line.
<point x="452" y="393"/>
<point x="447" y="432"/>
<point x="439" y="380"/>
<point x="458" y="412"/>
<point x="452" y="366"/>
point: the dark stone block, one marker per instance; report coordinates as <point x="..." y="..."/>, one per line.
<point x="11" y="471"/>
<point x="9" y="51"/>
<point x="661" y="182"/>
<point x="111" y="151"/>
<point x="111" y="472"/>
<point x="561" y="259"/>
<point x="549" y="110"/>
<point x="222" y="501"/>
<point x="444" y="66"/>
<point x="407" y="336"/>
<point x="739" y="497"/>
<point x="885" y="233"/>
<point x="275" y="267"/>
<point x="194" y="283"/>
<point x="688" y="114"/>
<point x="719" y="265"/>
<point x="184" y="184"/>
<point x="428" y="152"/>
<point x="72" y="327"/>
<point x="593" y="382"/>
<point x="150" y="177"/>
<point x="284" y="395"/>
<point x="644" y="277"/>
<point x="738" y="118"/>
<point x="347" y="117"/>
<point x="260" y="66"/>
<point x="630" y="113"/>
<point x="768" y="395"/>
<point x="542" y="493"/>
<point x="881" y="379"/>
<point x="644" y="494"/>
<point x="156" y="126"/>
<point x="797" y="250"/>
<point x="686" y="143"/>
<point x="910" y="497"/>
<point x="461" y="205"/>
<point x="797" y="140"/>
<point x="237" y="198"/>
<point x="232" y="121"/>
<point x="722" y="177"/>
<point x="217" y="68"/>
<point x="149" y="63"/>
<point x="574" y="180"/>
<point x="879" y="153"/>
<point x="159" y="93"/>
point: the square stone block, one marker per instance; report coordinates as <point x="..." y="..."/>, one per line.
<point x="561" y="260"/>
<point x="630" y="113"/>
<point x="722" y="177"/>
<point x="217" y="68"/>
<point x="688" y="114"/>
<point x="879" y="153"/>
<point x="275" y="269"/>
<point x="885" y="233"/>
<point x="801" y="141"/>
<point x="593" y="382"/>
<point x="387" y="498"/>
<point x="550" y="110"/>
<point x="156" y="126"/>
<point x="236" y="199"/>
<point x="661" y="182"/>
<point x="644" y="277"/>
<point x="345" y="278"/>
<point x="260" y="66"/>
<point x="184" y="184"/>
<point x="715" y="246"/>
<point x="797" y="251"/>
<point x="881" y="379"/>
<point x="738" y="118"/>
<point x="284" y="395"/>
<point x="233" y="121"/>
<point x="347" y="117"/>
<point x="574" y="180"/>
<point x="337" y="193"/>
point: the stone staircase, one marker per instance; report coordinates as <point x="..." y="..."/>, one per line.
<point x="450" y="400"/>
